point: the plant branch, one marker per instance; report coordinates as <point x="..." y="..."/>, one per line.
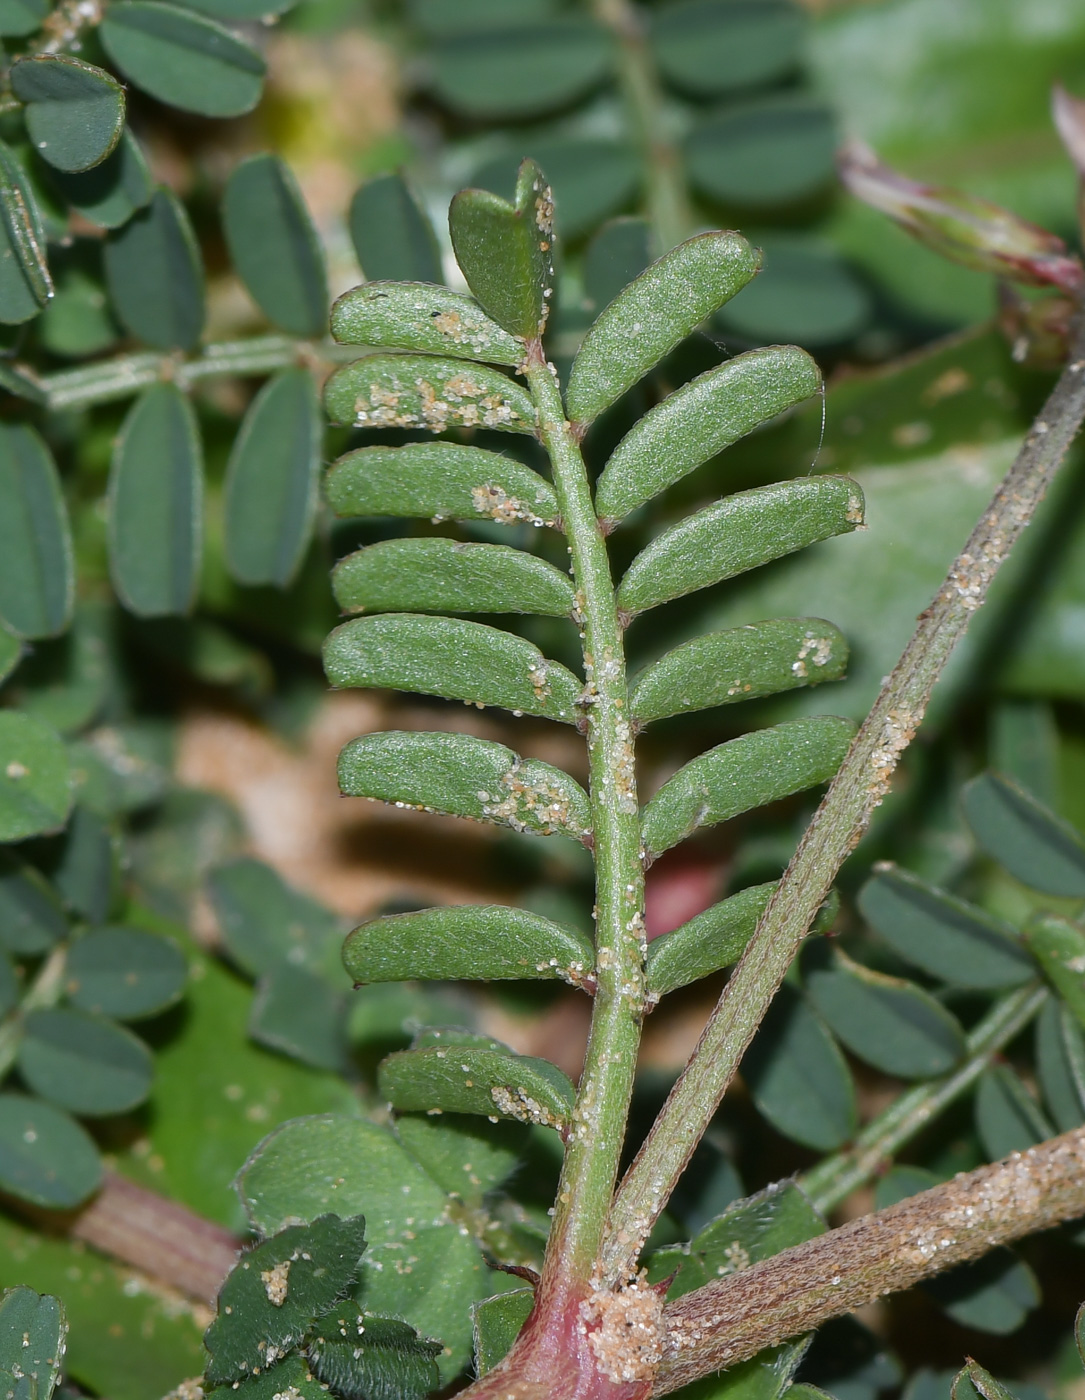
<point x="837" y="1177"/>
<point x="858" y="788"/>
<point x="731" y="1319"/>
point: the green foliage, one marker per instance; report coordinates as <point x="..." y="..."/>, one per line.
<point x="36" y="573"/>
<point x="155" y="275"/>
<point x="74" y="111"/>
<point x="32" y="1330"/>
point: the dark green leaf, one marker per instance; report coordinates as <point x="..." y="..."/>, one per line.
<point x="762" y="658"/>
<point x="155" y="276"/>
<point x="620" y="251"/>
<point x="274" y="246"/>
<point x="716" y="46"/>
<point x="806" y="292"/>
<point x="25" y="284"/>
<point x="31" y="917"/>
<point x="520" y="70"/>
<point x="497" y="1322"/>
<point x="11" y="652"/>
<point x="647" y="320"/>
<point x="467" y="940"/>
<point x="87" y="871"/>
<point x="451" y="657"/>
<point x="1024" y="746"/>
<point x="416" y="316"/>
<point x="78" y="321"/>
<point x="45" y="1156"/>
<point x="302" y="1015"/>
<point x="589" y="178"/>
<point x="699" y="420"/>
<point x="393" y="238"/>
<point x="74" y="111"/>
<point x="1008" y="1119"/>
<point x="506" y="251"/>
<point x="37" y="584"/>
<point x="1059" y="947"/>
<point x="124" y="972"/>
<point x="773" y="151"/>
<point x="32" y="1332"/>
<point x="440" y="18"/>
<point x="415" y="391"/>
<point x="121" y="768"/>
<point x="35" y="779"/>
<point x="1036" y="847"/>
<point x="265" y="923"/>
<point x="749" y="1231"/>
<point x="944" y="936"/>
<point x="797" y="1076"/>
<point x="271" y="481"/>
<point x="238" y="11"/>
<point x="290" y="1376"/>
<point x="984" y="1383"/>
<point x="465" y="1157"/>
<point x="744" y="773"/>
<point x="155" y="500"/>
<point x="891" y="1024"/>
<point x="440" y="575"/>
<point x="739" y="533"/>
<point x="477" y="1079"/>
<point x="84" y="1063"/>
<point x="182" y="58"/>
<point x="111" y="193"/>
<point x="20" y="18"/>
<point x="9" y="985"/>
<point x="467" y="777"/>
<point x="708" y="942"/>
<point x="439" y="480"/>
<point x="277" y="1290"/>
<point x="1060" y="1063"/>
<point x="372" y="1358"/>
<point x="993" y="1294"/>
<point x="901" y="1182"/>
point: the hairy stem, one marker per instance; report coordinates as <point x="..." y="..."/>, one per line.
<point x="838" y="824"/>
<point x="836" y="1177"/>
<point x="731" y="1319"/>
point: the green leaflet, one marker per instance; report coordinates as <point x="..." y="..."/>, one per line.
<point x="451" y="657"/>
<point x="124" y="972"/>
<point x="982" y="1383"/>
<point x="423" y="391"/>
<point x="271" y="481"/>
<point x="647" y="320"/>
<point x="290" y="1376"/>
<point x="35" y="778"/>
<point x="237" y="11"/>
<point x="466" y="777"/>
<point x="1024" y="746"/>
<point x="1059" y="947"/>
<point x="709" y="48"/>
<point x="88" y="869"/>
<point x="619" y="252"/>
<point x="392" y="236"/>
<point x="182" y="58"/>
<point x="506" y="251"/>
<point x="155" y="275"/>
<point x="743" y="663"/>
<point x="31" y="917"/>
<point x="993" y="1294"/>
<point x="439" y="575"/>
<point x="11" y="652"/>
<point x="497" y="1322"/>
<point x="416" y="316"/>
<point x="744" y="773"/>
<point x="265" y="923"/>
<point x="301" y="1014"/>
<point x="739" y="533"/>
<point x="1036" y="847"/>
<point x="46" y="1157"/>
<point x="1008" y="1118"/>
<point x="155" y="504"/>
<point x="440" y="481"/>
<point x="32" y="1332"/>
<point x="477" y="1079"/>
<point x="467" y="940"/>
<point x="701" y="419"/>
<point x="467" y="1158"/>
<point x="362" y="1356"/>
<point x="20" y="18"/>
<point x="37" y="585"/>
<point x="946" y="937"/>
<point x="1060" y="1064"/>
<point x="25" y="284"/>
<point x="84" y="1063"/>
<point x="274" y="246"/>
<point x="111" y="192"/>
<point x="74" y="111"/>
<point x="766" y="152"/>
<point x="589" y="179"/>
<point x="806" y="292"/>
<point x="708" y="942"/>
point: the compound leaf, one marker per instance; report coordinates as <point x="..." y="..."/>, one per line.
<point x="111" y="192"/>
<point x="32" y="1331"/>
<point x="710" y="48"/>
<point x="37" y="584"/>
<point x="1059" y="947"/>
<point x="74" y="111"/>
<point x="744" y="773"/>
<point x="1060" y="1064"/>
<point x="46" y="1157"/>
<point x="1036" y="847"/>
<point x="738" y="533"/>
<point x="392" y="236"/>
<point x="708" y="942"/>
<point x="154" y="274"/>
<point x="124" y="972"/>
<point x="658" y="309"/>
<point x="477" y="1079"/>
<point x="415" y="316"/>
<point x="266" y="924"/>
<point x="701" y="419"/>
<point x="35" y="778"/>
<point x="84" y="1063"/>
<point x="1008" y="1118"/>
<point x="425" y="391"/>
<point x="25" y="284"/>
<point x="362" y="1357"/>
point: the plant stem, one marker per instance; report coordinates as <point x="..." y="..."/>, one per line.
<point x="838" y="824"/>
<point x="836" y="1177"/>
<point x="668" y="205"/>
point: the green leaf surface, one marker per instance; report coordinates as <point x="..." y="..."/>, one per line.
<point x="20" y="18"/>
<point x="994" y="1294"/>
<point x="706" y="943"/>
<point x="415" y="391"/>
<point x="1059" y="947"/>
<point x="1036" y="847"/>
<point x="155" y="504"/>
<point x="944" y="936"/>
<point x="505" y="250"/>
<point x="984" y="1383"/>
<point x="439" y="18"/>
<point x="466" y="777"/>
<point x="652" y="314"/>
<point x="32" y="1332"/>
<point x="764" y="153"/>
<point x="271" y="481"/>
<point x="439" y="480"/>
<point x="84" y="1063"/>
<point x="766" y="1376"/>
<point x="362" y="1357"/>
<point x="797" y="1076"/>
<point x="1060" y="1065"/>
<point x="87" y="867"/>
<point x="806" y="292"/>
<point x="74" y="111"/>
<point x="465" y="1157"/>
<point x="11" y="652"/>
<point x="9" y="985"/>
<point x="497" y="1322"/>
<point x="740" y="532"/>
<point x="46" y="1157"/>
<point x="406" y="1214"/>
<point x="699" y="420"/>
<point x="124" y="972"/>
<point x="182" y="58"/>
<point x="236" y="12"/>
<point x="265" y="923"/>
<point x="274" y="245"/>
<point x="25" y="284"/>
<point x="155" y="275"/>
<point x="66" y="682"/>
<point x="477" y="941"/>
<point x="121" y="768"/>
<point x="744" y="773"/>
<point x="1024" y="745"/>
<point x="744" y="663"/>
<point x="1008" y="1118"/>
<point x="709" y="47"/>
<point x="31" y="917"/>
<point x="111" y="192"/>
<point x="618" y="253"/>
<point x="416" y="316"/>
<point x="78" y="321"/>
<point x="277" y="1290"/>
<point x="300" y="1014"/>
<point x="37" y="585"/>
<point x="441" y="575"/>
<point x="589" y="178"/>
<point x="35" y="779"/>
<point x="393" y="238"/>
<point x="477" y="1079"/>
<point x="452" y="657"/>
<point x="291" y="1376"/>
